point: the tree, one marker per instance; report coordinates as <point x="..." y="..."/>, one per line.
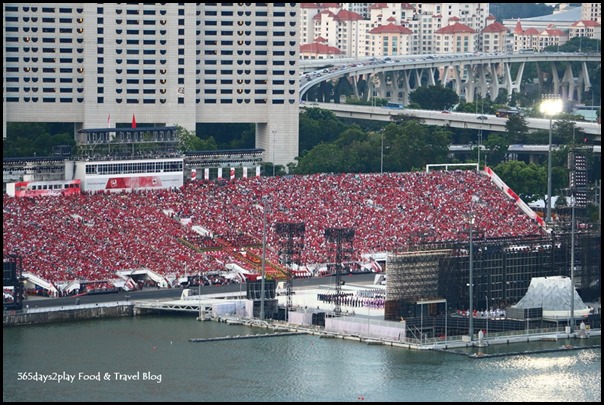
<point x="35" y="139"/>
<point x="318" y="125"/>
<point x="563" y="132"/>
<point x="528" y="181"/>
<point x="323" y="158"/>
<point x="517" y="129"/>
<point x="434" y="97"/>
<point x="361" y="157"/>
<point x="188" y="141"/>
<point x="496" y="148"/>
<point x="350" y="135"/>
<point x="411" y="145"/>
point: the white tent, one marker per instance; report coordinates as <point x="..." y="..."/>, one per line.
<point x="552" y="294"/>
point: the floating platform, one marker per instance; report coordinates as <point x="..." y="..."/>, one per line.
<point x="481" y="355"/>
<point x="221" y="338"/>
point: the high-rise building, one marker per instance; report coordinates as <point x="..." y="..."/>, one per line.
<point x="380" y="29"/>
<point x="99" y="64"/>
<point x="592" y="12"/>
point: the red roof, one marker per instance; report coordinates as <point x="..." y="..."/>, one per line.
<point x="585" y="23"/>
<point x="320" y="15"/>
<point x="319" y="48"/>
<point x="375" y="6"/>
<point x="454" y="18"/>
<point x="553" y="32"/>
<point x="495" y="27"/>
<point x="391" y="29"/>
<point x="491" y="17"/>
<point x="310" y="5"/>
<point x="345" y="15"/>
<point x="518" y="29"/>
<point x="531" y="31"/>
<point x="456" y="28"/>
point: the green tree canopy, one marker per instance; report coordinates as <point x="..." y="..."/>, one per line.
<point x="26" y="139"/>
<point x="527" y="180"/>
<point x="434" y="97"/>
<point x="517" y="129"/>
<point x="496" y="148"/>
<point x="323" y="158"/>
<point x="188" y="141"/>
<point x="318" y="125"/>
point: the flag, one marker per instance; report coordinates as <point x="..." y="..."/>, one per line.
<point x="109" y="121"/>
<point x="133" y="121"/>
<point x="375" y="266"/>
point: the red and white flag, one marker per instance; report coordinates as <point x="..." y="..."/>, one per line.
<point x="109" y="121"/>
<point x="375" y="266"/>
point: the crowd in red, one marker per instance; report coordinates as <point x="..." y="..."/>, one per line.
<point x="91" y="236"/>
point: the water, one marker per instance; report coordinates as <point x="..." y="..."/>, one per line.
<point x="293" y="368"/>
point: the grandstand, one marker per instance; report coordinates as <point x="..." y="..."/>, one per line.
<point x="127" y="159"/>
<point x="93" y="236"/>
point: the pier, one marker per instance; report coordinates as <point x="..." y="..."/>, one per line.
<point x="481" y="355"/>
<point x="221" y="338"/>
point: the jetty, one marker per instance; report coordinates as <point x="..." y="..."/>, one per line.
<point x="481" y="355"/>
<point x="261" y="335"/>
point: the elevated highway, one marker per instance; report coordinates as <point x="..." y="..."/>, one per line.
<point x="452" y="119"/>
<point x="467" y="74"/>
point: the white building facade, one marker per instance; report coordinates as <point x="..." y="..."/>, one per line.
<point x="100" y="64"/>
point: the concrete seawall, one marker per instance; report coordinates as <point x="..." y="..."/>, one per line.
<point x="67" y="314"/>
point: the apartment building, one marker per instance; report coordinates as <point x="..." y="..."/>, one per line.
<point x="99" y="64"/>
<point x="389" y="29"/>
<point x="591" y="12"/>
<point x="357" y="29"/>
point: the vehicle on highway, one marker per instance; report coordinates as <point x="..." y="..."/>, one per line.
<point x="398" y="106"/>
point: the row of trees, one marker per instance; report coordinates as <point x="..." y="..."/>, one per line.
<point x="408" y="145"/>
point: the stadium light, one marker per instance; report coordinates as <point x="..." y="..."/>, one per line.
<point x="274" y="132"/>
<point x="573" y="202"/>
<point x="382" y="155"/>
<point x="551" y="105"/>
<point x="475" y="199"/>
<point x="262" y="285"/>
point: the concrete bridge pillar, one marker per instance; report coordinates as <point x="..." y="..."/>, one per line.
<point x="383" y="85"/>
<point x="494" y="87"/>
<point x="406" y="87"/>
<point x="431" y="80"/>
<point x="557" y="87"/>
<point x="568" y="81"/>
<point x="418" y="78"/>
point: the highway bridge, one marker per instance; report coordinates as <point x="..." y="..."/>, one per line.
<point x="467" y="74"/>
<point x="478" y="121"/>
<point x="528" y="152"/>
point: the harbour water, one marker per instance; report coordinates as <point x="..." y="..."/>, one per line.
<point x="150" y="358"/>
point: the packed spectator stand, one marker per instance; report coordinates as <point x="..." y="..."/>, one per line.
<point x="92" y="236"/>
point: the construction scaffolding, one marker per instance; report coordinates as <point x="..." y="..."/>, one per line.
<point x="292" y="244"/>
<point x="343" y="238"/>
<point x="503" y="269"/>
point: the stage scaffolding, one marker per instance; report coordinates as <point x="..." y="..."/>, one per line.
<point x="503" y="268"/>
<point x="343" y="239"/>
<point x="292" y="244"/>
